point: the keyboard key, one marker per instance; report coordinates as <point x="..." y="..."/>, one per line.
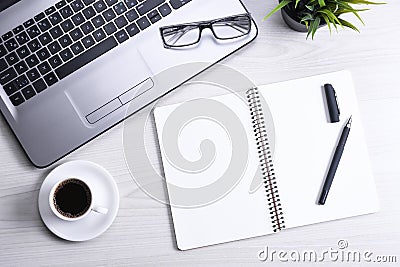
<point x="78" y="19"/>
<point x="34" y="45"/>
<point x="7" y="76"/>
<point x="66" y="12"/>
<point x="3" y="64"/>
<point x="45" y="38"/>
<point x="32" y="61"/>
<point x="154" y="16"/>
<point x="54" y="47"/>
<point x="22" y="38"/>
<point x="89" y="12"/>
<point x="50" y="79"/>
<point x="44" y="25"/>
<point x="120" y="8"/>
<point x="100" y="6"/>
<point x="88" y="41"/>
<point x="33" y="31"/>
<point x="21" y="67"/>
<point x="39" y="16"/>
<point x="109" y="14"/>
<point x="132" y="29"/>
<point x="23" y="52"/>
<point x="77" y="48"/>
<point x="50" y="10"/>
<point x="86" y="57"/>
<point x="87" y="27"/>
<point x="111" y="2"/>
<point x="44" y="68"/>
<point x="7" y="35"/>
<point x="28" y="92"/>
<point x="132" y="15"/>
<point x="88" y="2"/>
<point x="148" y="5"/>
<point x="55" y="61"/>
<point x="76" y="34"/>
<point x="120" y="22"/>
<point x="98" y="21"/>
<point x="77" y="5"/>
<point x="121" y="36"/>
<point x="66" y="54"/>
<point x="29" y="23"/>
<point x="55" y="18"/>
<point x="21" y="81"/>
<point x="10" y="88"/>
<point x="110" y="28"/>
<point x="99" y="35"/>
<point x="12" y="58"/>
<point x="61" y="4"/>
<point x="178" y="3"/>
<point x="56" y="32"/>
<point x="33" y="75"/>
<point x="143" y="23"/>
<point x="43" y="54"/>
<point x="3" y="51"/>
<point x="131" y="3"/>
<point x="18" y="29"/>
<point x="67" y="25"/>
<point x="65" y="41"/>
<point x="39" y="85"/>
<point x="11" y="44"/>
<point x="17" y="99"/>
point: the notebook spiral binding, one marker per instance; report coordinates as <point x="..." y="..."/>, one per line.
<point x="264" y="154"/>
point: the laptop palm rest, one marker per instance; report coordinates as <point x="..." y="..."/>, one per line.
<point x="107" y="85"/>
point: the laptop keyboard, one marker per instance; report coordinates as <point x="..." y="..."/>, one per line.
<point x="67" y="36"/>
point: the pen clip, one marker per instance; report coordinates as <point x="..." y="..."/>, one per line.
<point x="337" y="102"/>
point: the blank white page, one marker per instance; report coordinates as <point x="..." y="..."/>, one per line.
<point x="305" y="143"/>
<point x="237" y="215"/>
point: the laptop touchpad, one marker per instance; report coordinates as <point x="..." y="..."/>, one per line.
<point x="119" y="73"/>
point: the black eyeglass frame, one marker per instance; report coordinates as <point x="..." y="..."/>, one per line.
<point x="205" y="25"/>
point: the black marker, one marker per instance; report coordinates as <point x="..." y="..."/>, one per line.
<point x="335" y="162"/>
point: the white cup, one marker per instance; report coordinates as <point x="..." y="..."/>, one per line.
<point x="90" y="206"/>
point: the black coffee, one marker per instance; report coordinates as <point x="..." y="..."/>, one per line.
<point x="72" y="198"/>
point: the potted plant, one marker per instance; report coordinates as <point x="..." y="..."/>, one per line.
<point x="309" y="15"/>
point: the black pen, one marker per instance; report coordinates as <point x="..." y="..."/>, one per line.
<point x="335" y="162"/>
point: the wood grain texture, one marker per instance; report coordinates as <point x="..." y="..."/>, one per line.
<point x="142" y="233"/>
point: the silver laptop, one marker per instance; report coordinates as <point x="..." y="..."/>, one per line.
<point x="69" y="69"/>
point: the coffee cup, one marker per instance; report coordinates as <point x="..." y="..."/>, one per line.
<point x="72" y="199"/>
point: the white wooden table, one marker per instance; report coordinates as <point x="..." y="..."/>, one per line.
<point x="142" y="233"/>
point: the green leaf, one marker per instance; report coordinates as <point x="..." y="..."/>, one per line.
<point x="309" y="7"/>
<point x="365" y="2"/>
<point x="277" y="8"/>
<point x="352" y="10"/>
<point x="297" y="2"/>
<point x="313" y="27"/>
<point x="321" y="3"/>
<point x="348" y="24"/>
<point x="327" y="21"/>
<point x="306" y="17"/>
<point x="331" y="16"/>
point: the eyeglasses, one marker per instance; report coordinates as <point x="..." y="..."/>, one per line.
<point x="188" y="34"/>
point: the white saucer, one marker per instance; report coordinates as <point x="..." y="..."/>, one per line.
<point x="105" y="194"/>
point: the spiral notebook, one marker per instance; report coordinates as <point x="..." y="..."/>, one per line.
<point x="285" y="144"/>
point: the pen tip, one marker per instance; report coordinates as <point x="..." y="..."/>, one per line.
<point x="350" y="120"/>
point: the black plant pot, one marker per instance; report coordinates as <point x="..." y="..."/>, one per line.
<point x="293" y="21"/>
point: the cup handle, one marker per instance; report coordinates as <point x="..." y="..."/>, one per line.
<point x="100" y="210"/>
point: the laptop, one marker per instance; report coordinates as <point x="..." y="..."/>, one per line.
<point x="70" y="69"/>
